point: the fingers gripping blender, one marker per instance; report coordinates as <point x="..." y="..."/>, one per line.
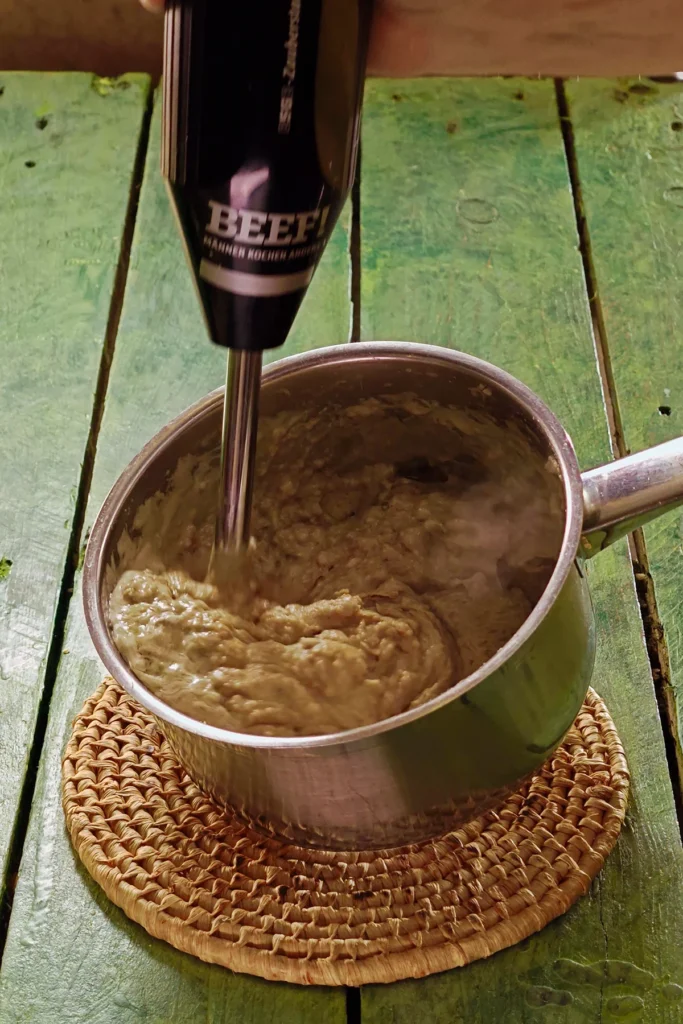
<point x="261" y="112"/>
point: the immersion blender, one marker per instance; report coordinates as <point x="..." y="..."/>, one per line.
<point x="261" y="114"/>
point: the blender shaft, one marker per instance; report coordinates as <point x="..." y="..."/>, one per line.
<point x="238" y="451"/>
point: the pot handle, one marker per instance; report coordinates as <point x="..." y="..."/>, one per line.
<point x="625" y="494"/>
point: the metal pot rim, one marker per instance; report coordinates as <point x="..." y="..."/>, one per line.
<point x="94" y="567"/>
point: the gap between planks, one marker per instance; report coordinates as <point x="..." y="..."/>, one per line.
<point x="74" y="552"/>
<point x="652" y="625"/>
<point x="353" y="1006"/>
<point x="355" y="252"/>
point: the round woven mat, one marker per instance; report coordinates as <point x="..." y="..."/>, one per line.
<point x="190" y="874"/>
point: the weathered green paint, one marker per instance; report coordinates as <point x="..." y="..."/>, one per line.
<point x="468" y="236"/>
<point x="65" y="177"/>
<point x="630" y="156"/>
<point x="469" y="241"/>
<point x="71" y="955"/>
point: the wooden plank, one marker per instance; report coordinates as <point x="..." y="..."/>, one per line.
<point x="469" y="240"/>
<point x="68" y="150"/>
<point x="629" y="140"/>
<point x="70" y="954"/>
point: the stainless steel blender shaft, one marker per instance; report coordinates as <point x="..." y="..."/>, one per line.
<point x="238" y="450"/>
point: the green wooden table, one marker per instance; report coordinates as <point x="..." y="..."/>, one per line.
<point x="536" y="224"/>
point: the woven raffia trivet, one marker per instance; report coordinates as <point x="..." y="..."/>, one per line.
<point x="189" y="873"/>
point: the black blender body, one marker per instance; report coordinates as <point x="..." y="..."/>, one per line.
<point x="260" y="133"/>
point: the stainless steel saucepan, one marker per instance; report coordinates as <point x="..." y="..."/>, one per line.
<point x="425" y="771"/>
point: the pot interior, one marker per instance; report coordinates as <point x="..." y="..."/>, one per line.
<point x="476" y="414"/>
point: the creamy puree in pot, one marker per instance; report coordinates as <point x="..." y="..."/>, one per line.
<point x="373" y="584"/>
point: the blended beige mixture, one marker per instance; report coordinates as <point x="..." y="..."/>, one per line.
<point x="372" y="585"/>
